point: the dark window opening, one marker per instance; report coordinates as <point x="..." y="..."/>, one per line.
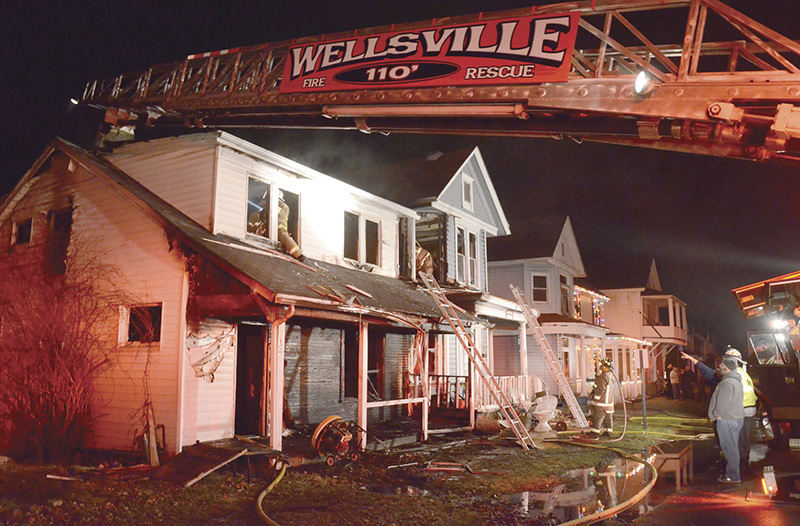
<point x="663" y="317"/>
<point x="350" y="363"/>
<point x="473" y="258"/>
<point x="144" y="324"/>
<point x="375" y="365"/>
<point x="372" y="240"/>
<point x="23" y="231"/>
<point x="539" y="291"/>
<point x="565" y="300"/>
<point x="257" y="207"/>
<point x="59" y="227"/>
<point x="292" y="200"/>
<point x="351" y="236"/>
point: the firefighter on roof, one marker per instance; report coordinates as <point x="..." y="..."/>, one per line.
<point x="603" y="399"/>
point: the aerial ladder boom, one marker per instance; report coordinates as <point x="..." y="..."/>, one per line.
<point x="734" y="98"/>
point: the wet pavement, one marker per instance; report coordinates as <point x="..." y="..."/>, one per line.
<point x="707" y="502"/>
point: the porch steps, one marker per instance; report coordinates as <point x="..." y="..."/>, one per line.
<point x="449" y="312"/>
<point x="550" y="358"/>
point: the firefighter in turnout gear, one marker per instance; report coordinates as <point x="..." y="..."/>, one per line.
<point x="749" y="401"/>
<point x="286" y="239"/>
<point x="602" y="399"/>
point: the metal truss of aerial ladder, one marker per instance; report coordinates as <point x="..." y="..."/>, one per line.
<point x="732" y="98"/>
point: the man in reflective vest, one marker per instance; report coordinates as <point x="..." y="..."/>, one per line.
<point x="749" y="402"/>
<point x="603" y="400"/>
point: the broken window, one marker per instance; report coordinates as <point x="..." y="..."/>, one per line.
<point x="59" y="224"/>
<point x="258" y="209"/>
<point x="22" y="231"/>
<point x="461" y="255"/>
<point x="351" y="236"/>
<point x="539" y="288"/>
<point x="372" y="242"/>
<point x="144" y="324"/>
<point x="473" y="259"/>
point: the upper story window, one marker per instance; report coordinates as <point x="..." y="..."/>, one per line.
<point x="565" y="296"/>
<point x="258" y="207"/>
<point x="272" y="211"/>
<point x="539" y="288"/>
<point x="22" y="231"/>
<point x="473" y="258"/>
<point x="59" y="227"/>
<point x="362" y="239"/>
<point x="466" y="192"/>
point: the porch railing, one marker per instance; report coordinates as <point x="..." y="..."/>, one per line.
<point x="447" y="390"/>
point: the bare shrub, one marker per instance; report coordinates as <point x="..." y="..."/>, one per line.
<point x="53" y="349"/>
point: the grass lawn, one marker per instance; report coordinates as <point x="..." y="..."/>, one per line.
<point x="366" y="492"/>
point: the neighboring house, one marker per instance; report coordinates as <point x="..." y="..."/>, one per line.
<point x="458" y="210"/>
<point x="545" y="268"/>
<point x="174" y="216"/>
<point x="642" y="310"/>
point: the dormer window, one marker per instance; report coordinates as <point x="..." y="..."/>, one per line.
<point x="258" y="207"/>
<point x="466" y="192"/>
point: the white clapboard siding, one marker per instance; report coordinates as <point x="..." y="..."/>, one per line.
<point x="179" y="170"/>
<point x="138" y="248"/>
<point x="209" y="404"/>
<point x="323" y="202"/>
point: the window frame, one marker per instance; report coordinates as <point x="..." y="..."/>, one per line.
<point x="467" y="192"/>
<point x="124" y="333"/>
<point x="15" y="230"/>
<point x="361" y="239"/>
<point x="546" y="287"/>
<point x="274" y="191"/>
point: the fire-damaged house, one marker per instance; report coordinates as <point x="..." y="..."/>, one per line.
<point x="197" y="228"/>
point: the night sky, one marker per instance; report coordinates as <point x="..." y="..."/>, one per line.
<point x="711" y="224"/>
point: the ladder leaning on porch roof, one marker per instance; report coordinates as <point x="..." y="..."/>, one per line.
<point x="550" y="358"/>
<point x="508" y="411"/>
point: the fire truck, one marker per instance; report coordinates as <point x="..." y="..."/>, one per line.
<point x="583" y="70"/>
<point x="773" y="352"/>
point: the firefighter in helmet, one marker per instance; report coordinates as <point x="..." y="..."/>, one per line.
<point x="749" y="400"/>
<point x="289" y="244"/>
<point x="602" y="399"/>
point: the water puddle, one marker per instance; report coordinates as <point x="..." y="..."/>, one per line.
<point x="584" y="492"/>
<point x="391" y="489"/>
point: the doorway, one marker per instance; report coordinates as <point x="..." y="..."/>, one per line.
<point x="249" y="378"/>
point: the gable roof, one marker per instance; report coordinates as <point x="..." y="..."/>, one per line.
<point x="631" y="275"/>
<point x="539" y="237"/>
<point x="271" y="274"/>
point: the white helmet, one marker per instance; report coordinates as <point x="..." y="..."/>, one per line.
<point x="734" y="353"/>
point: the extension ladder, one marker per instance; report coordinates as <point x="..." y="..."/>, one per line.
<point x="550" y="358"/>
<point x="508" y="411"/>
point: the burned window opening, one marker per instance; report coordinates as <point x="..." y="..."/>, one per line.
<point x="23" y="231"/>
<point x="372" y="242"/>
<point x="144" y="324"/>
<point x="258" y="208"/>
<point x="351" y="236"/>
<point x="59" y="227"/>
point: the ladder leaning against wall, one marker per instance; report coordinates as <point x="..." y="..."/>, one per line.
<point x="550" y="358"/>
<point x="474" y="354"/>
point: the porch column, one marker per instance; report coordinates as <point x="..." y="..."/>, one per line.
<point x="471" y="401"/>
<point x="523" y="357"/>
<point x="426" y="388"/>
<point x="363" y="349"/>
<point x="582" y="364"/>
<point x="277" y="345"/>
<point x="490" y="348"/>
<point x="670" y="307"/>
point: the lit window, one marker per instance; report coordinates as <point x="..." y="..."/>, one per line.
<point x="22" y="231"/>
<point x="258" y="217"/>
<point x="144" y="324"/>
<point x="539" y="288"/>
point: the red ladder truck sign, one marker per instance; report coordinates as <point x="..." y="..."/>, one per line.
<point x="529" y="49"/>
